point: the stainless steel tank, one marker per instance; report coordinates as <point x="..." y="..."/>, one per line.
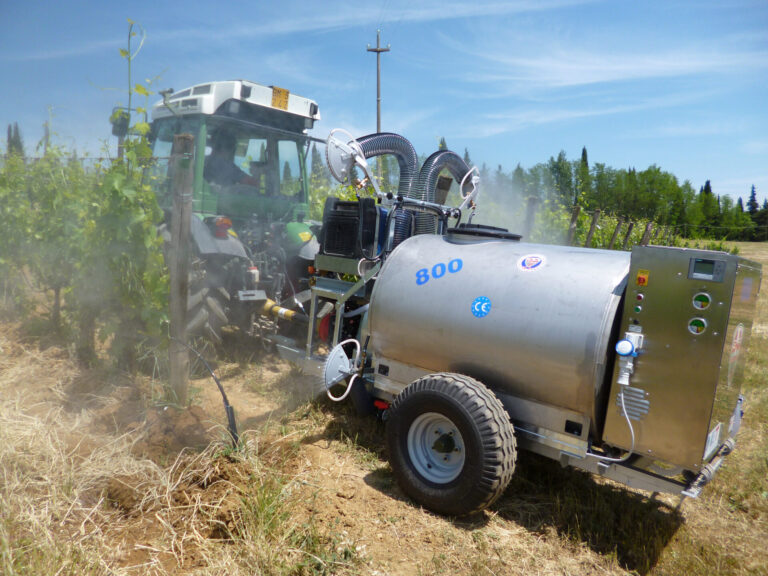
<point x="530" y="320"/>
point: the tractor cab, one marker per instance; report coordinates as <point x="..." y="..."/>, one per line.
<point x="250" y="149"/>
<point x="251" y="241"/>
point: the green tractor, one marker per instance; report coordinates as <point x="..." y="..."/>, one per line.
<point x="251" y="241"/>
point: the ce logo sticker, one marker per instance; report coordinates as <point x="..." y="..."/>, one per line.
<point x="481" y="306"/>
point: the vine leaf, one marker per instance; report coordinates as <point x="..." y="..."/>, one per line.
<point x="140" y="89"/>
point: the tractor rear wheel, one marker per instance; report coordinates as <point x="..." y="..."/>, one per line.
<point x="451" y="445"/>
<point x="206" y="306"/>
<point x="216" y="304"/>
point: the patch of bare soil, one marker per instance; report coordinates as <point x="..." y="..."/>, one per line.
<point x="353" y="492"/>
<point x="198" y="505"/>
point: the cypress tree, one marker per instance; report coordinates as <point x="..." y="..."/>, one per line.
<point x="14" y="143"/>
<point x="710" y="205"/>
<point x="752" y="205"/>
<point x="318" y="176"/>
<point x="584" y="181"/>
<point x="18" y="143"/>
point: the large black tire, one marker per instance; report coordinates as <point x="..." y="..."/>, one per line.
<point x="216" y="303"/>
<point x="206" y="307"/>
<point x="197" y="292"/>
<point x="451" y="445"/>
<point x="208" y="301"/>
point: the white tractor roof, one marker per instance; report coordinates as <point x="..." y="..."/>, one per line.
<point x="207" y="98"/>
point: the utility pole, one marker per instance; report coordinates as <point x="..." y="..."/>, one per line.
<point x="378" y="51"/>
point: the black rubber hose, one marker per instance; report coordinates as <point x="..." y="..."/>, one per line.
<point x="228" y="409"/>
<point x="424" y="189"/>
<point x="430" y="171"/>
<point x="382" y="143"/>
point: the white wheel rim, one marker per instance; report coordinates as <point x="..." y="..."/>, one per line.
<point x="436" y="448"/>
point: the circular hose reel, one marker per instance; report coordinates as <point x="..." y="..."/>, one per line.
<point x="339" y="367"/>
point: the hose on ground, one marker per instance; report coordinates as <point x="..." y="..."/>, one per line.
<point x="228" y="409"/>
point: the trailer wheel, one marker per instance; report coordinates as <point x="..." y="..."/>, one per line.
<point x="451" y="445"/>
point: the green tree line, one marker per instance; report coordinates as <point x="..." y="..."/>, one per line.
<point x="635" y="195"/>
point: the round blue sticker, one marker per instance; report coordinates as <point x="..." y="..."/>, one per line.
<point x="481" y="306"/>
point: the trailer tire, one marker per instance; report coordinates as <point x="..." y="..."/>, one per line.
<point x="451" y="445"/>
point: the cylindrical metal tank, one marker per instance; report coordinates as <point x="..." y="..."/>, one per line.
<point x="531" y="320"/>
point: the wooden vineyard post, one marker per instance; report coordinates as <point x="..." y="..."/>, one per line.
<point x="669" y="237"/>
<point x="629" y="233"/>
<point x="616" y="231"/>
<point x="592" y="226"/>
<point x="182" y="166"/>
<point x="647" y="234"/>
<point x="572" y="227"/>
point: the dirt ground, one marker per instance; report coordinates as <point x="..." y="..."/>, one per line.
<point x="170" y="493"/>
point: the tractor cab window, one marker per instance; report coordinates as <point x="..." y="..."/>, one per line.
<point x="240" y="168"/>
<point x="255" y="159"/>
<point x="290" y="167"/>
<point x="227" y="161"/>
<point x="252" y="157"/>
<point x="163" y="132"/>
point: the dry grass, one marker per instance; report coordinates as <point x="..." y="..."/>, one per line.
<point x="53" y="509"/>
<point x="76" y="498"/>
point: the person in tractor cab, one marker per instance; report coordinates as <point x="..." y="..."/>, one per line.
<point x="220" y="167"/>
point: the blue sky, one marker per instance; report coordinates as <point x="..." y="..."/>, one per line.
<point x="678" y="84"/>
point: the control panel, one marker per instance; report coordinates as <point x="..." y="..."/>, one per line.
<point x="672" y="344"/>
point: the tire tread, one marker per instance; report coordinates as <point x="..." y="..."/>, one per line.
<point x="496" y="432"/>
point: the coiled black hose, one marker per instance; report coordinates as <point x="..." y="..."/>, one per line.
<point x="426" y="183"/>
<point x="430" y="171"/>
<point x="382" y="143"/>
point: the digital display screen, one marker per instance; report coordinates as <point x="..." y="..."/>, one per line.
<point x="704" y="267"/>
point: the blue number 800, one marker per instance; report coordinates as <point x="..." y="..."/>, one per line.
<point x="438" y="271"/>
